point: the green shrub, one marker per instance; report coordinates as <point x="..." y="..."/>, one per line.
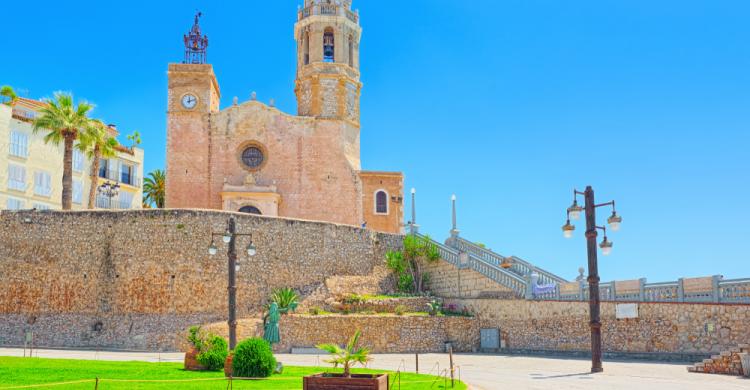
<point x="215" y="354"/>
<point x="253" y="358"/>
<point x="315" y="310"/>
<point x="354" y="299"/>
<point x="399" y="310"/>
<point x="197" y="338"/>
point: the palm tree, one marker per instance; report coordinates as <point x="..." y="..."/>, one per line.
<point x="96" y="142"/>
<point x="9" y="94"/>
<point x="347" y="356"/>
<point x="63" y="121"/>
<point x="154" y="188"/>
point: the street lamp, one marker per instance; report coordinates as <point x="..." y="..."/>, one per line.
<point x="614" y="221"/>
<point x="109" y="190"/>
<point x="230" y="237"/>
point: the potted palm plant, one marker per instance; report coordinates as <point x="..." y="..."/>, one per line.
<point x="346" y="357"/>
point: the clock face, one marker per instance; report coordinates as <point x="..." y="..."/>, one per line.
<point x="189" y="101"/>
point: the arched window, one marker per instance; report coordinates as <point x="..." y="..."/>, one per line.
<point x="251" y="210"/>
<point x="351" y="51"/>
<point x="381" y="202"/>
<point x="306" y="47"/>
<point x="328" y="45"/>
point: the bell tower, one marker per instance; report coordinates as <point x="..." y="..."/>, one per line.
<point x="327" y="85"/>
<point x="193" y="96"/>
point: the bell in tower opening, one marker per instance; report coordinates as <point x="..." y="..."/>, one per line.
<point x="328" y="46"/>
<point x="195" y="44"/>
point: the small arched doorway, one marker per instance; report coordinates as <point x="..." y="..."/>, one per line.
<point x="250" y="210"/>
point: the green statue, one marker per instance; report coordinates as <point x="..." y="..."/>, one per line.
<point x="271" y="331"/>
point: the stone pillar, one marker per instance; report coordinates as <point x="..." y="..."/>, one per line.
<point x="681" y="290"/>
<point x="454" y="230"/>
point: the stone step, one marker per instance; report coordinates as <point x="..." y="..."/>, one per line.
<point x="708" y="361"/>
<point x="698" y="365"/>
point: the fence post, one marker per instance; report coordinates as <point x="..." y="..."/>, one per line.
<point x="715" y="287"/>
<point x="642" y="289"/>
<point x="681" y="290"/>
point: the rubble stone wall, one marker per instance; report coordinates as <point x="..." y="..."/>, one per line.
<point x="660" y="328"/>
<point x="133" y="279"/>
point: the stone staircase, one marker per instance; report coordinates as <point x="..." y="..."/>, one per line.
<point x="727" y="363"/>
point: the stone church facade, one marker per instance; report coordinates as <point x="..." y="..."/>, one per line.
<point x="251" y="157"/>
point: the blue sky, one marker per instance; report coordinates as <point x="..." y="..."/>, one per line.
<point x="507" y="104"/>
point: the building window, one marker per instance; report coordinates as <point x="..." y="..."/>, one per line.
<point x="41" y="206"/>
<point x="126" y="174"/>
<point x="251" y="210"/>
<point x="19" y="144"/>
<point x="381" y="202"/>
<point x="351" y="51"/>
<point x="328" y="46"/>
<point x="306" y="47"/>
<point x="42" y="184"/>
<point x="77" y="191"/>
<point x="16" y="177"/>
<point x="104" y="169"/>
<point x="253" y="157"/>
<point x="126" y="200"/>
<point x="77" y="160"/>
<point x="15" y="204"/>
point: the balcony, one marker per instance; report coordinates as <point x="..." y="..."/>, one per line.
<point x="121" y="177"/>
<point x="328" y="10"/>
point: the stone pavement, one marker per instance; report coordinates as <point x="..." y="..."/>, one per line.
<point x="487" y="372"/>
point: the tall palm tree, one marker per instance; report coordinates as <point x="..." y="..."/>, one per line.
<point x="154" y="188"/>
<point x="63" y="121"/>
<point x="9" y="94"/>
<point x="96" y="142"/>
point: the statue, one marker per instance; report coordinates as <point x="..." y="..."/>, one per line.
<point x="250" y="180"/>
<point x="271" y="330"/>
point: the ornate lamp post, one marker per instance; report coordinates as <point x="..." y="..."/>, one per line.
<point x="229" y="237"/>
<point x="109" y="190"/>
<point x="574" y="212"/>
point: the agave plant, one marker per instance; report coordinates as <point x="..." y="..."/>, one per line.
<point x="286" y="298"/>
<point x="347" y="356"/>
<point x="435" y="307"/>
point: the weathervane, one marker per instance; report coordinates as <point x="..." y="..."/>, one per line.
<point x="195" y="44"/>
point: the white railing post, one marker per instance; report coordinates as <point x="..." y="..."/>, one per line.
<point x="529" y="287"/>
<point x="715" y="287"/>
<point x="642" y="289"/>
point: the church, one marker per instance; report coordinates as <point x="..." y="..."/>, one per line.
<point x="251" y="157"/>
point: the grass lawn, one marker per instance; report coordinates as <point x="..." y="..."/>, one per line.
<point x="17" y="372"/>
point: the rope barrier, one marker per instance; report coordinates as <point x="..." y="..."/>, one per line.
<point x="49" y="384"/>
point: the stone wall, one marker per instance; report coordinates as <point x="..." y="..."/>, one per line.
<point x="132" y="279"/>
<point x="383" y="334"/>
<point x="666" y="328"/>
<point x="449" y="281"/>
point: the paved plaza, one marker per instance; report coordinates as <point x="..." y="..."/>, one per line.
<point x="484" y="372"/>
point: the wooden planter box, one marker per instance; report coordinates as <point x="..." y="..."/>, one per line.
<point x="336" y="381"/>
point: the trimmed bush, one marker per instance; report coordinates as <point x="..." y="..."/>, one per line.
<point x="253" y="358"/>
<point x="215" y="353"/>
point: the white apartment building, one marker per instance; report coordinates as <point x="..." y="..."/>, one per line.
<point x="31" y="170"/>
